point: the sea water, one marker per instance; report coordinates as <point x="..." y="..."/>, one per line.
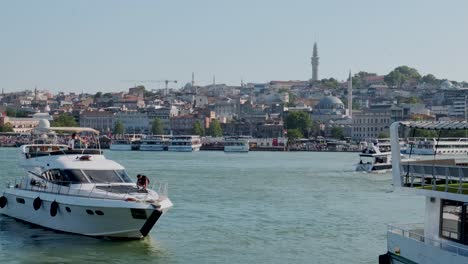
<point x="256" y="207"/>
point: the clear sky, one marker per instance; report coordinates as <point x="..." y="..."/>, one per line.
<point x="91" y="45"/>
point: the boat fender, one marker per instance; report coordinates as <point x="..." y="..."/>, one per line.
<point x="53" y="208"/>
<point x="37" y="203"/>
<point x="3" y="201"/>
<point x="385" y="259"/>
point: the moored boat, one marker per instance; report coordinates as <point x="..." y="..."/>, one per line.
<point x="236" y="144"/>
<point x="80" y="191"/>
<point x="184" y="143"/>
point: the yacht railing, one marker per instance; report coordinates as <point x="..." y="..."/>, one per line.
<point x="438" y="177"/>
<point x="416" y="232"/>
<point x="91" y="190"/>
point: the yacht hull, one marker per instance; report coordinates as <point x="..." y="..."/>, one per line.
<point x="78" y="215"/>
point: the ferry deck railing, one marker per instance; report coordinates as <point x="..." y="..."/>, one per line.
<point x="450" y="177"/>
<point x="90" y="190"/>
<point x="416" y="232"/>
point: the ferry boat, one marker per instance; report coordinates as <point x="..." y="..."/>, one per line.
<point x="154" y="143"/>
<point x="236" y="144"/>
<point x="80" y="191"/>
<point x="126" y="143"/>
<point x="443" y="237"/>
<point x="184" y="143"/>
<point x="438" y="146"/>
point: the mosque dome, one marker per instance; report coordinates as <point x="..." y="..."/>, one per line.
<point x="447" y="85"/>
<point x="329" y="103"/>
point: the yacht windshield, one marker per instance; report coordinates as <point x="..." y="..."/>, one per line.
<point x="105" y="176"/>
<point x="123" y="174"/>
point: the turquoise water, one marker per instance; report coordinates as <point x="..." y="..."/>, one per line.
<point x="260" y="207"/>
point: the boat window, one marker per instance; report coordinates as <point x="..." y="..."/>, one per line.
<point x="102" y="176"/>
<point x="123" y="174"/>
<point x="451" y="220"/>
<point x="74" y="176"/>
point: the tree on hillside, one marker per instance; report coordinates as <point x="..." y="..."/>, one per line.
<point x="98" y="95"/>
<point x="64" y="120"/>
<point x="430" y="79"/>
<point x="400" y="75"/>
<point x="157" y="127"/>
<point x="299" y="120"/>
<point x="215" y="129"/>
<point x="330" y="83"/>
<point x="358" y="78"/>
<point x="119" y="128"/>
<point x="198" y="128"/>
<point x="11" y="112"/>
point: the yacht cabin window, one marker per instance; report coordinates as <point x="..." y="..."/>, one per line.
<point x="65" y="176"/>
<point x="106" y="176"/>
<point x="454" y="221"/>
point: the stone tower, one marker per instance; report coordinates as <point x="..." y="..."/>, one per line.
<point x="350" y="95"/>
<point x="315" y="63"/>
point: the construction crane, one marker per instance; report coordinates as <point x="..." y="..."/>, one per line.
<point x="166" y="83"/>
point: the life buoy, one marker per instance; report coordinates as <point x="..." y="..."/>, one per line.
<point x="37" y="203"/>
<point x="53" y="208"/>
<point x="3" y="201"/>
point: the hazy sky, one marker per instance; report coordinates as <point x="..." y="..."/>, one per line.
<point x="91" y="45"/>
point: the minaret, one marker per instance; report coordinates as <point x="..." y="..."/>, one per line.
<point x="214" y="80"/>
<point x="193" y="79"/>
<point x="315" y="63"/>
<point x="350" y="95"/>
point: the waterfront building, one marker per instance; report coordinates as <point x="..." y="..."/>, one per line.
<point x="102" y="121"/>
<point x="369" y="124"/>
<point x="133" y="121"/>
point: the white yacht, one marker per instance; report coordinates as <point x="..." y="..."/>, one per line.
<point x="184" y="143"/>
<point x="424" y="146"/>
<point x="443" y="237"/>
<point x="80" y="191"/>
<point x="154" y="143"/>
<point x="236" y="144"/>
<point x="375" y="158"/>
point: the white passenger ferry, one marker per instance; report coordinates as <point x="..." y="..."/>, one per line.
<point x="126" y="143"/>
<point x="375" y="158"/>
<point x="184" y="143"/>
<point x="439" y="146"/>
<point x="236" y="144"/>
<point x="443" y="237"/>
<point x="79" y="190"/>
<point x="154" y="143"/>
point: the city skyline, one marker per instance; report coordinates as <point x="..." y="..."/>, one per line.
<point x="88" y="46"/>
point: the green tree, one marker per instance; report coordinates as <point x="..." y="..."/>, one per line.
<point x="64" y="120"/>
<point x="198" y="128"/>
<point x="337" y="133"/>
<point x="330" y="83"/>
<point x="299" y="120"/>
<point x="294" y="134"/>
<point x="358" y="78"/>
<point x="119" y="128"/>
<point x="430" y="79"/>
<point x="6" y="128"/>
<point x="11" y="112"/>
<point x="157" y="127"/>
<point x="98" y="95"/>
<point x="215" y="129"/>
<point x="400" y="75"/>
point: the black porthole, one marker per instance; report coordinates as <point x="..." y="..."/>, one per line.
<point x="90" y="212"/>
<point x="20" y="200"/>
<point x="99" y="212"/>
<point x="68" y="209"/>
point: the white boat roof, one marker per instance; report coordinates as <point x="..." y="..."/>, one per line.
<point x="75" y="129"/>
<point x="440" y="125"/>
<point x="95" y="162"/>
